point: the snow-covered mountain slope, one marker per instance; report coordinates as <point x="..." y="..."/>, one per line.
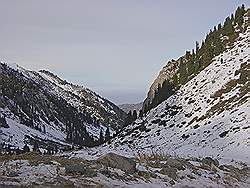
<point x="84" y="99"/>
<point x="41" y="106"/>
<point x="208" y="116"/>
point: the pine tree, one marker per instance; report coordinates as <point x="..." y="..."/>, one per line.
<point x="215" y="29"/>
<point x="134" y="115"/>
<point x="196" y="47"/>
<point x="3" y="122"/>
<point x="219" y="26"/>
<point x="26" y="148"/>
<point x="228" y="27"/>
<point x="107" y="134"/>
<point x="239" y="15"/>
<point x="140" y="113"/>
<point x="101" y="138"/>
<point x="36" y="147"/>
<point x="129" y="118"/>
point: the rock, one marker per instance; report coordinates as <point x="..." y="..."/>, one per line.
<point x="214" y="168"/>
<point x="13" y="174"/>
<point x="116" y="161"/>
<point x="172" y="182"/>
<point x="170" y="172"/>
<point x="75" y="169"/>
<point x="175" y="163"/>
<point x="79" y="168"/>
<point x="209" y="161"/>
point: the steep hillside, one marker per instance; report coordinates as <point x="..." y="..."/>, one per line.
<point x="39" y="106"/>
<point x="196" y="133"/>
<point x="207" y="116"/>
<point x="178" y="72"/>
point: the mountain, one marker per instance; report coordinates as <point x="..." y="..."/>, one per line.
<point x="197" y="133"/>
<point x="178" y="72"/>
<point x="194" y="131"/>
<point x="207" y="115"/>
<point x="130" y="107"/>
<point x="40" y="106"/>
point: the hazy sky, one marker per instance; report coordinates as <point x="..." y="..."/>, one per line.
<point x="115" y="47"/>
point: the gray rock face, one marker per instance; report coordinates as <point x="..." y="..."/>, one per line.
<point x="166" y="73"/>
<point x="116" y="161"/>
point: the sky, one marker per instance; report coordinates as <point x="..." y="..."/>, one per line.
<point x="114" y="47"/>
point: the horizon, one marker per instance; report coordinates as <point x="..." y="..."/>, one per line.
<point x="114" y="48"/>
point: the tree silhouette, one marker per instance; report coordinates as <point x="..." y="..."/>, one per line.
<point x="107" y="134"/>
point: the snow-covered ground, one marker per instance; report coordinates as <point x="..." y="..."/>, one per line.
<point x="193" y="122"/>
<point x="90" y="106"/>
<point x="32" y="169"/>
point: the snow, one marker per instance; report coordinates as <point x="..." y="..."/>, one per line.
<point x="204" y="139"/>
<point x="73" y="94"/>
<point x="16" y="134"/>
<point x="184" y="125"/>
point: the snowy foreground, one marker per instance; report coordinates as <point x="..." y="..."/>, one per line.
<point x="113" y="170"/>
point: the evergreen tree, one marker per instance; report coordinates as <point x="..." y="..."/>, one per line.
<point x="134" y="115"/>
<point x="101" y="138"/>
<point x="239" y="15"/>
<point x="26" y="148"/>
<point x="228" y="27"/>
<point x="130" y="113"/>
<point x="3" y="122"/>
<point x="140" y="113"/>
<point x="145" y="109"/>
<point x="49" y="152"/>
<point x="107" y="134"/>
<point x="44" y="131"/>
<point x="219" y="26"/>
<point x="129" y="118"/>
<point x="215" y="29"/>
<point x="35" y="147"/>
<point x="196" y="46"/>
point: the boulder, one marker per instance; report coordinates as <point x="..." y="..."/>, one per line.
<point x="79" y="169"/>
<point x="209" y="161"/>
<point x="175" y="163"/>
<point x="170" y="172"/>
<point x="117" y="161"/>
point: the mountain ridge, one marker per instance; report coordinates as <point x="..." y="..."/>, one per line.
<point x="177" y="72"/>
<point x="195" y="133"/>
<point x="29" y="97"/>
